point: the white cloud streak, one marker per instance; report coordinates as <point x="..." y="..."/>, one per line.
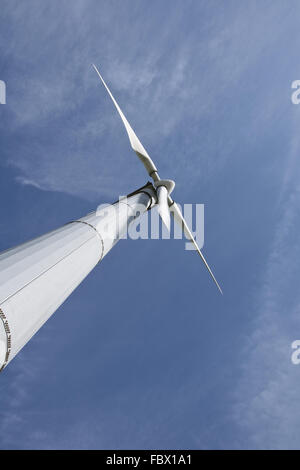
<point x="163" y="90"/>
<point x="266" y="409"/>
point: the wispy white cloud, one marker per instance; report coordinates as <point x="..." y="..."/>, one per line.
<point x="27" y="182"/>
<point x="15" y="395"/>
<point x="266" y="409"/>
<point x="164" y="90"/>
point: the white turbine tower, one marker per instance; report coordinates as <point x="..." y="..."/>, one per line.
<point x="37" y="277"/>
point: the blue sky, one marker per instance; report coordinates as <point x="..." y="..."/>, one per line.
<point x="146" y="353"/>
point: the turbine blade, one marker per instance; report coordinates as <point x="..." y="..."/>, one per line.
<point x="178" y="217"/>
<point x="134" y="141"/>
<point x="163" y="206"/>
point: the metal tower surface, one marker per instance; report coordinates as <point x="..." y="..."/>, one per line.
<point x="36" y="277"/>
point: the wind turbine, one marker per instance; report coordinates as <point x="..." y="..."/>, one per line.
<point x="37" y="277"/>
